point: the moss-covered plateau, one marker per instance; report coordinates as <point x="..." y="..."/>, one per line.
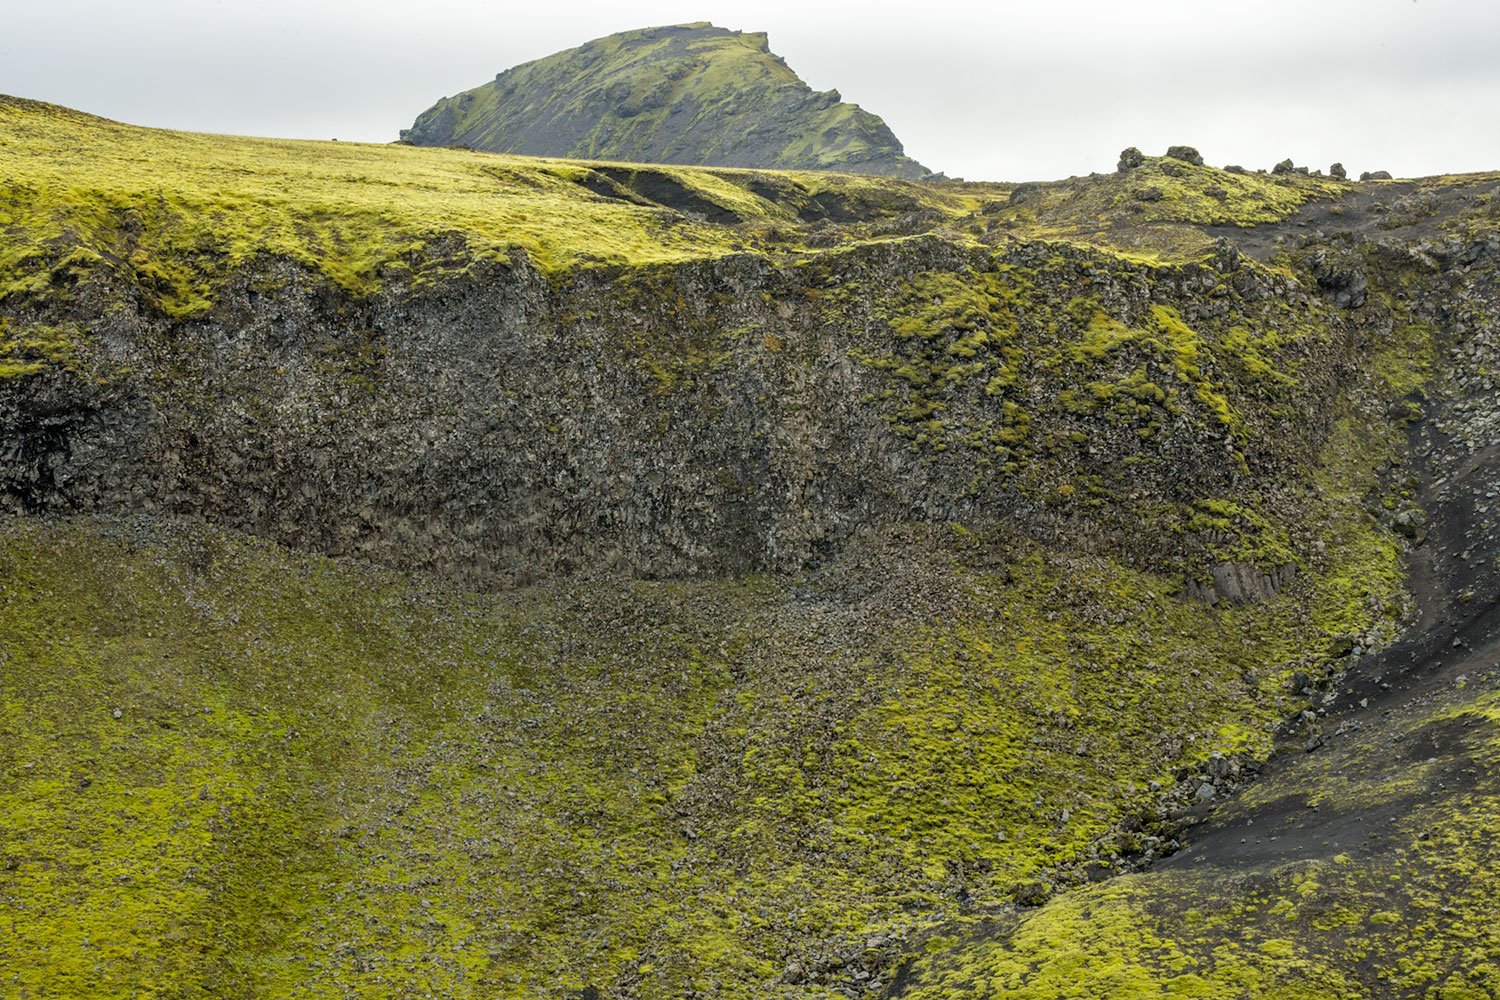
<point x="841" y="561"/>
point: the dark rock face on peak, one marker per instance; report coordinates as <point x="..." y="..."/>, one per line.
<point x="686" y="94"/>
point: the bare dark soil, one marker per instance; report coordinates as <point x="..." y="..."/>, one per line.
<point x="1452" y="641"/>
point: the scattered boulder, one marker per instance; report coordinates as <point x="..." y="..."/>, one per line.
<point x="1149" y="193"/>
<point x="1337" y="171"/>
<point x="1021" y="192"/>
<point x="1187" y="154"/>
<point x="1130" y="158"/>
<point x="1284" y="167"/>
<point x="1235" y="168"/>
<point x="1032" y="894"/>
<point x="1412" y="523"/>
<point x="1375" y="175"/>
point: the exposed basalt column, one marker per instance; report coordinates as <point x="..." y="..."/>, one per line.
<point x="1239" y="583"/>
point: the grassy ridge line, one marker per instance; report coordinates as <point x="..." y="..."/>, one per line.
<point x="180" y="209"/>
<point x="178" y="212"/>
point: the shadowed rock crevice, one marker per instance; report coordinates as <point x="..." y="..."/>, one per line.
<point x="664" y="190"/>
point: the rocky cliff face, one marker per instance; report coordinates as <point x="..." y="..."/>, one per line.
<point x="712" y="418"/>
<point x="690" y="93"/>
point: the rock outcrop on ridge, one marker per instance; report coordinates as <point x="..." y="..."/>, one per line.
<point x="683" y="94"/>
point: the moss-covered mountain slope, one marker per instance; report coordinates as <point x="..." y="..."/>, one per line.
<point x="427" y="572"/>
<point x="686" y="93"/>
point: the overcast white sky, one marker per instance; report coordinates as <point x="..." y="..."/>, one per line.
<point x="1000" y="90"/>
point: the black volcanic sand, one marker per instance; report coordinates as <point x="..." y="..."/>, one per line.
<point x="1453" y="641"/>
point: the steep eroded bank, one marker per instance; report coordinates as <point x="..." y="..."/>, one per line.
<point x="1361" y="862"/>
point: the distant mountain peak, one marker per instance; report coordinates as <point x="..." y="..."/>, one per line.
<point x="685" y="93"/>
